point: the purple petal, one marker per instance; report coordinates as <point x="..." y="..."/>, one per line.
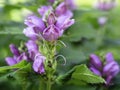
<point x="95" y="61"/>
<point x="10" y="61"/>
<point x="38" y="65"/>
<point x="42" y="10"/>
<point x="32" y="49"/>
<point x="108" y="80"/>
<point x="108" y="67"/>
<point x="29" y="32"/>
<point x="70" y="4"/>
<point x="23" y="56"/>
<point x="52" y="33"/>
<point x="109" y="57"/>
<point x="96" y="71"/>
<point x="31" y="46"/>
<point x="35" y="21"/>
<point x="14" y="50"/>
<point x="61" y="9"/>
<point x="64" y="22"/>
<point x="115" y="70"/>
<point x="51" y="18"/>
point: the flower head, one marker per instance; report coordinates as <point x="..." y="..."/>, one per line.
<point x="108" y="69"/>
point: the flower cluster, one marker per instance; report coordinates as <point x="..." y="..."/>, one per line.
<point x="52" y="24"/>
<point x="47" y="28"/>
<point x="106" y="5"/>
<point x="18" y="56"/>
<point x="107" y="69"/>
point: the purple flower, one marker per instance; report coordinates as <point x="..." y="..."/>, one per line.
<point x="95" y="61"/>
<point x="43" y="11"/>
<point x="64" y="22"/>
<point x="32" y="49"/>
<point x="111" y="67"/>
<point x="17" y="56"/>
<point x="30" y="32"/>
<point x="38" y="64"/>
<point x="52" y="24"/>
<point x="35" y="27"/>
<point x="108" y="69"/>
<point x="34" y="21"/>
<point x="52" y="33"/>
<point x="14" y="50"/>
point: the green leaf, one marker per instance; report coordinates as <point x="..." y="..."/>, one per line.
<point x="16" y="66"/>
<point x="82" y="73"/>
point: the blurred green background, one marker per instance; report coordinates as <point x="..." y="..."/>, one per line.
<point x="86" y="36"/>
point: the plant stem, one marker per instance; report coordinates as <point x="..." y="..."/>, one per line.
<point x="49" y="84"/>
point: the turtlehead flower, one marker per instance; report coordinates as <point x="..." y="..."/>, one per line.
<point x="108" y="69"/>
<point x="38" y="64"/>
<point x="17" y="56"/>
<point x="53" y="29"/>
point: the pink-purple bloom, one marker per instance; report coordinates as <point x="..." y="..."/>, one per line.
<point x="108" y="69"/>
<point x="53" y="25"/>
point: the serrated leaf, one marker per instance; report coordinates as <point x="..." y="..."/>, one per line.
<point x="82" y="73"/>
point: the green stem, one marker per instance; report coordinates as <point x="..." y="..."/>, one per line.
<point x="49" y="84"/>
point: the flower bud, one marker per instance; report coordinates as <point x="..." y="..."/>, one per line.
<point x="51" y="19"/>
<point x="109" y="57"/>
<point x="95" y="61"/>
<point x="14" y="50"/>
